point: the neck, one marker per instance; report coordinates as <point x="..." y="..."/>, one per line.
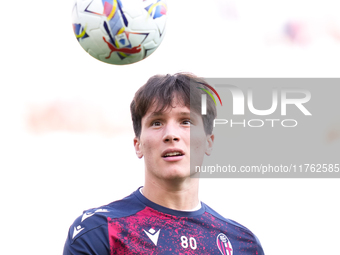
<point x="173" y="194"/>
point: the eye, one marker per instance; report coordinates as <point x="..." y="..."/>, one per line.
<point x="156" y="123"/>
<point x="187" y="122"/>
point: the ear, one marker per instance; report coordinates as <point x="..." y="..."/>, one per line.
<point x="209" y="144"/>
<point x="136" y="144"/>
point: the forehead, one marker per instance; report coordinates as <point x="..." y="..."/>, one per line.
<point x="175" y="109"/>
<point x="162" y="106"/>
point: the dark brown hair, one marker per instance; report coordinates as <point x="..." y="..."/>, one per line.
<point x="161" y="90"/>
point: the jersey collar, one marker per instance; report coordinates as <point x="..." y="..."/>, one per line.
<point x="166" y="210"/>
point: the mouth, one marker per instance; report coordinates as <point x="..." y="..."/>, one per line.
<point x="172" y="155"/>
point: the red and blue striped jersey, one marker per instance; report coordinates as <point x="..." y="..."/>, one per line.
<point x="136" y="225"/>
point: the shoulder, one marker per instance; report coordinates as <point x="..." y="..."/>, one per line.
<point x="95" y="217"/>
<point x="217" y="215"/>
<point x="238" y="227"/>
<point x="90" y="230"/>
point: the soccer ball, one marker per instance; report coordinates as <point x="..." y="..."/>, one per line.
<point x="119" y="32"/>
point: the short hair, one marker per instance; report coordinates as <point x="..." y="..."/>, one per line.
<point x="161" y="90"/>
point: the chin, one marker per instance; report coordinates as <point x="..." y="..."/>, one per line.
<point x="176" y="173"/>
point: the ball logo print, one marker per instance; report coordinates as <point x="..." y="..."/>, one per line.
<point x="119" y="31"/>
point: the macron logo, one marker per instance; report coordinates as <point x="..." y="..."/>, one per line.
<point x="77" y="230"/>
<point x="88" y="215"/>
<point x="153" y="235"/>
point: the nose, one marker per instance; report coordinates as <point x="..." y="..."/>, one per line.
<point x="171" y="133"/>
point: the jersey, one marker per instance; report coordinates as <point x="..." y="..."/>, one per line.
<point x="136" y="225"/>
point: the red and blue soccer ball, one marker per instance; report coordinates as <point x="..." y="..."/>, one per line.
<point x="119" y="32"/>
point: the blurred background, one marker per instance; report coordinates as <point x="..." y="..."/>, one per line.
<point x="66" y="140"/>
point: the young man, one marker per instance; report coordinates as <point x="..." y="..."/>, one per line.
<point x="165" y="216"/>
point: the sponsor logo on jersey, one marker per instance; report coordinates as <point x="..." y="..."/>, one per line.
<point x="153" y="235"/>
<point x="224" y="244"/>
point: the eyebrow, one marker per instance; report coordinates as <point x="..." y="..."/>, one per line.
<point x="159" y="114"/>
